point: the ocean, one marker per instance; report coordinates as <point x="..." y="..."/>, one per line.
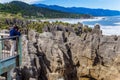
<point x="110" y="25"/>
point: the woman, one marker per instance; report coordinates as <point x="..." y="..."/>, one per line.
<point x="14" y="32"/>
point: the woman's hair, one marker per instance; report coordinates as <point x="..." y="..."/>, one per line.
<point x="15" y="27"/>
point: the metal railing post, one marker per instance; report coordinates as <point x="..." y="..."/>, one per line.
<point x="20" y="50"/>
<point x="9" y="75"/>
<point x="0" y="49"/>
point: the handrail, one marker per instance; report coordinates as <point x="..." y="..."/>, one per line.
<point x="5" y="53"/>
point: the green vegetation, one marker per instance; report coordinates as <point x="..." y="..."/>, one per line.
<point x="4" y="15"/>
<point x="30" y="11"/>
<point x="22" y="11"/>
<point x="3" y="25"/>
<point x="37" y="26"/>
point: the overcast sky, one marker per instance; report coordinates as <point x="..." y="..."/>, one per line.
<point x="106" y="4"/>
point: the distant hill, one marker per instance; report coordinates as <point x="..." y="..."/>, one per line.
<point x="27" y="10"/>
<point x="82" y="10"/>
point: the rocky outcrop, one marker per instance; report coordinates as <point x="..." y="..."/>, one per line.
<point x="63" y="55"/>
<point x="20" y="22"/>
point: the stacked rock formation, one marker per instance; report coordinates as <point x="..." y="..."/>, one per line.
<point x="62" y="55"/>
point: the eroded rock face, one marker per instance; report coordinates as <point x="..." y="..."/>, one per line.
<point x="66" y="56"/>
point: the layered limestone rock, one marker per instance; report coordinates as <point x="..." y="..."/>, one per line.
<point x="63" y="55"/>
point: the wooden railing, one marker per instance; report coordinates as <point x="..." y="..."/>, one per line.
<point x="7" y="61"/>
<point x="5" y="46"/>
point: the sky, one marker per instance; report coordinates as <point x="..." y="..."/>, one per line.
<point x="105" y="4"/>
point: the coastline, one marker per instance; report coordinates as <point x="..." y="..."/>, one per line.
<point x="110" y="30"/>
<point x="107" y="30"/>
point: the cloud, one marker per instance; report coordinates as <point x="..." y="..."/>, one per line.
<point x="27" y="1"/>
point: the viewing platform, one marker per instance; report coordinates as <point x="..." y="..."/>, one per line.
<point x="9" y="62"/>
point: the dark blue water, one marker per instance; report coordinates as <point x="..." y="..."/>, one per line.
<point x="107" y="21"/>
